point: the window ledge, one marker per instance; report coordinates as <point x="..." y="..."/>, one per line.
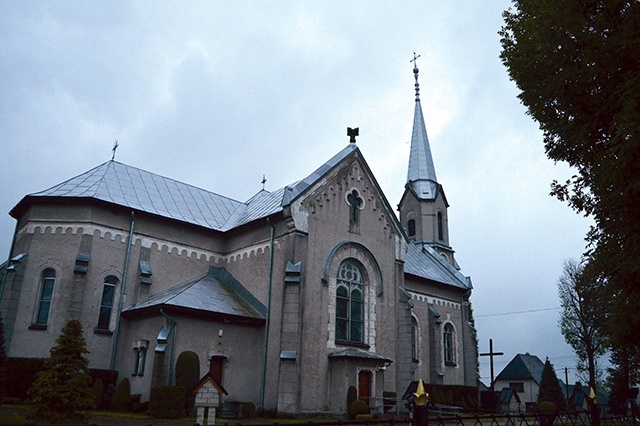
<point x="350" y="343"/>
<point x="450" y="364"/>
<point x="102" y="331"/>
<point x="38" y="327"/>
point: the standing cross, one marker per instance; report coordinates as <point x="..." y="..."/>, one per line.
<point x="491" y="354"/>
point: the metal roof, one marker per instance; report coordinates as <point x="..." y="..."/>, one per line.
<point x="130" y="187"/>
<point x="523" y="367"/>
<point x="422" y="172"/>
<point x="425" y="262"/>
<point x="217" y="292"/>
<point x="354" y="353"/>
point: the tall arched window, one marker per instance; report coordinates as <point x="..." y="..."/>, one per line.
<point x="106" y="304"/>
<point x="350" y="303"/>
<point x="414" y="339"/>
<point x="44" y="305"/>
<point x="440" y="226"/>
<point x="449" y="353"/>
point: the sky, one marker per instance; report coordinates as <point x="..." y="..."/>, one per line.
<point x="219" y="94"/>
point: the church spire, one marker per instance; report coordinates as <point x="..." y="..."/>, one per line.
<point x="422" y="173"/>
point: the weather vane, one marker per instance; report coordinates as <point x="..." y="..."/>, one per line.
<point x="415" y="74"/>
<point x="264" y="180"/>
<point x="115" y="146"/>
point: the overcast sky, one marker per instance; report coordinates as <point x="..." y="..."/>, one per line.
<point x="216" y="94"/>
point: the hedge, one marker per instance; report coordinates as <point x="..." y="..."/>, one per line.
<point x="22" y="372"/>
<point x="167" y="402"/>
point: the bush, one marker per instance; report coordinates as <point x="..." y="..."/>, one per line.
<point x="167" y="402"/>
<point x="358" y="407"/>
<point x="352" y="396"/>
<point x="187" y="376"/>
<point x="21" y="373"/>
<point x="96" y="392"/>
<point x="389" y="400"/>
<point x="249" y="409"/>
<point x="122" y="397"/>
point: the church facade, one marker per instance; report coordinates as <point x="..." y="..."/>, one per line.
<point x="288" y="299"/>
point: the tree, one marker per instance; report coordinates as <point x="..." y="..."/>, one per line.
<point x="61" y="393"/>
<point x="550" y="390"/>
<point x="581" y="317"/>
<point x="577" y="65"/>
<point x="3" y="362"/>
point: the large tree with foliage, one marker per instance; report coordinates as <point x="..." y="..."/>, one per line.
<point x="577" y="65"/>
<point x="550" y="390"/>
<point x="61" y="393"/>
<point x="581" y="316"/>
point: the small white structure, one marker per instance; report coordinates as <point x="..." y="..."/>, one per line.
<point x="207" y="391"/>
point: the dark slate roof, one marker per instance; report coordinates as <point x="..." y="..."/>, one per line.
<point x="354" y="353"/>
<point x="523" y="367"/>
<point x="425" y="262"/>
<point x="506" y="394"/>
<point x="217" y="293"/>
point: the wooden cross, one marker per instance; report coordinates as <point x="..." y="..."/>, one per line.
<point x="491" y="354"/>
<point x="352" y="133"/>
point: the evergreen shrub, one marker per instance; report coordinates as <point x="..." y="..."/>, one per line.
<point x="62" y="393"/>
<point x="122" y="397"/>
<point x="358" y="407"/>
<point x="352" y="396"/>
<point x="96" y="392"/>
<point x="167" y="402"/>
<point x="187" y="376"/>
<point x="546" y="407"/>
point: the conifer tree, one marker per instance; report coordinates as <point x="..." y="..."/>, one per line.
<point x="550" y="390"/>
<point x="62" y="393"/>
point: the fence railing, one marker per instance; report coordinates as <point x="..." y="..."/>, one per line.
<point x="563" y="419"/>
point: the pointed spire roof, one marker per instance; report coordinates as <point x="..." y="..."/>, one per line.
<point x="422" y="173"/>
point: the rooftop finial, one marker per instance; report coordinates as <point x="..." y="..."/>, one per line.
<point x="415" y="74"/>
<point x="264" y="180"/>
<point x="115" y="146"/>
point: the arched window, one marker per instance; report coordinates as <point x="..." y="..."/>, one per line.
<point x="350" y="303"/>
<point x="106" y="304"/>
<point x="449" y="353"/>
<point x="414" y="339"/>
<point x="411" y="227"/>
<point x="440" y="226"/>
<point x="44" y="305"/>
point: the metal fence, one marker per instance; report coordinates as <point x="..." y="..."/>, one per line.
<point x="563" y="419"/>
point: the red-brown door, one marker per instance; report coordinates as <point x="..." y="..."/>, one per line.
<point x="215" y="367"/>
<point x="364" y="386"/>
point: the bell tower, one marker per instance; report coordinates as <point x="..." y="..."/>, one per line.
<point x="423" y="207"/>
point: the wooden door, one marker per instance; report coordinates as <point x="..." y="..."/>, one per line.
<point x="216" y="367"/>
<point x="364" y="386"/>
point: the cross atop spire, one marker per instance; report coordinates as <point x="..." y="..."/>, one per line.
<point x="415" y="74"/>
<point x="115" y="146"/>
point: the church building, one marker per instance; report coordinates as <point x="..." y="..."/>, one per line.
<point x="287" y="299"/>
